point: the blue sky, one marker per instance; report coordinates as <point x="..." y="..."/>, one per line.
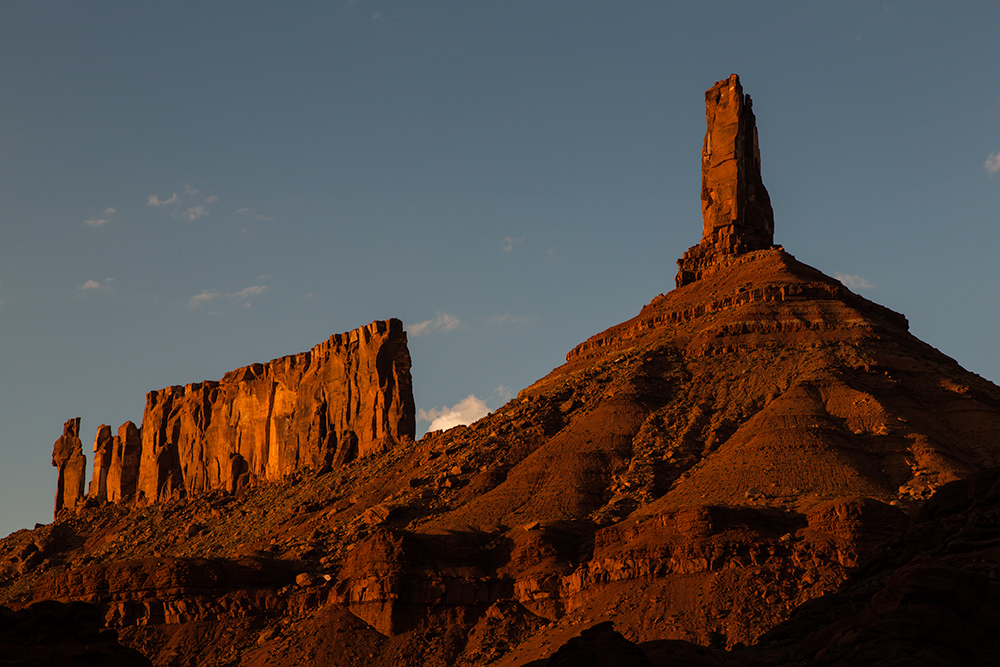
<point x="189" y="187"/>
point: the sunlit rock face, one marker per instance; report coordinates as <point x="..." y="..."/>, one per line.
<point x="349" y="396"/>
<point x="68" y="458"/>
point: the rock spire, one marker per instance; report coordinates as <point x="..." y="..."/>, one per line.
<point x="68" y="458"/>
<point x="735" y="207"/>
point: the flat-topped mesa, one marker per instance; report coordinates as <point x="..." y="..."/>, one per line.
<point x="349" y="396"/>
<point x="735" y="207"/>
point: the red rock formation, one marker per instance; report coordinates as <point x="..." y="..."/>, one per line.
<point x="123" y="471"/>
<point x="735" y="207"/>
<point x="103" y="447"/>
<point x="67" y="456"/>
<point x="347" y="397"/>
<point x="713" y="470"/>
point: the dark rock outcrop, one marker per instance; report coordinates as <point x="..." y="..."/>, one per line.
<point x="69" y="635"/>
<point x="68" y="458"/>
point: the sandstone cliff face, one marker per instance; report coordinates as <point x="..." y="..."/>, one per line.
<point x="68" y="458"/>
<point x="347" y="397"/>
<point x="735" y="207"/>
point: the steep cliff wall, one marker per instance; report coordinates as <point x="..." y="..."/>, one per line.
<point x="349" y="396"/>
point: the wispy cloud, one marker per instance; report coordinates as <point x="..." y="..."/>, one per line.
<point x="854" y="282"/>
<point x="97" y="286"/>
<point x="211" y="199"/>
<point x="508" y="243"/>
<point x="508" y="319"/>
<point x="241" y="211"/>
<point x="443" y="322"/>
<point x="101" y="221"/>
<point x="210" y="298"/>
<point x="376" y="16"/>
<point x="154" y="200"/>
<point x="190" y="191"/>
<point x="194" y="213"/>
<point x="992" y="164"/>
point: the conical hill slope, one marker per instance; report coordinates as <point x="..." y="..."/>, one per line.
<point x="766" y="382"/>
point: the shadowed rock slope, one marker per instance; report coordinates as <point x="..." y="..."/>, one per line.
<point x="695" y="475"/>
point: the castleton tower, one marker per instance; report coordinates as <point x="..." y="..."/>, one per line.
<point x="735" y="207"/>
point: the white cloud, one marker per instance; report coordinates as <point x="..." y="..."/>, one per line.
<point x="466" y="411"/>
<point x="854" y="282"/>
<point x="443" y="322"/>
<point x="508" y="243"/>
<point x="189" y="190"/>
<point x="194" y="213"/>
<point x="507" y="318"/>
<point x="211" y="199"/>
<point x="98" y="285"/>
<point x="241" y="298"/>
<point x="154" y="200"/>
<point x="109" y="211"/>
<point x="241" y="211"/>
<point x="992" y="164"/>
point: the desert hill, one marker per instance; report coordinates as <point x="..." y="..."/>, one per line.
<point x="711" y="472"/>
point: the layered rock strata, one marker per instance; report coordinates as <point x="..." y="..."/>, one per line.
<point x="735" y="207"/>
<point x="68" y="458"/>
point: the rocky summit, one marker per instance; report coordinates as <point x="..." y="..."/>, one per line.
<point x="761" y="468"/>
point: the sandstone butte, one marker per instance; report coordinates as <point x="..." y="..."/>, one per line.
<point x="762" y="468"/>
<point x="349" y="396"/>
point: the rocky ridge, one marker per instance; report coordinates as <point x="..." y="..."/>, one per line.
<point x="718" y="477"/>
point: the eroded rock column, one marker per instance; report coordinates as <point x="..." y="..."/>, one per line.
<point x="68" y="458"/>
<point x="103" y="444"/>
